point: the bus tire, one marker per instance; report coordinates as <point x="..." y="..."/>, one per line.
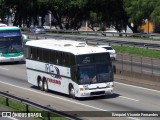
<point x="45" y="85"/>
<point x="40" y="84"/>
<point x="71" y="92"/>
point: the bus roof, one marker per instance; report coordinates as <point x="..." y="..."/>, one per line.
<point x="74" y="47"/>
<point x="9" y="28"/>
<point x="3" y="25"/>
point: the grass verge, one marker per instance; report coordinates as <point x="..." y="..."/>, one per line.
<point x="20" y="107"/>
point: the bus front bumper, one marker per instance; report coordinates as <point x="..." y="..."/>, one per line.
<point x="92" y="93"/>
<point x="12" y="59"/>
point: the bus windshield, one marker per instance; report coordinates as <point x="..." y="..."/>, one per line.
<point x="11" y="44"/>
<point x="98" y="73"/>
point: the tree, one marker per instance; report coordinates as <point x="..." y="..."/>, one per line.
<point x="4" y="11"/>
<point x="107" y="12"/>
<point x="155" y="15"/>
<point x="138" y="11"/>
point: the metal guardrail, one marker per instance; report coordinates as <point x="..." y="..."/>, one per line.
<point x="137" y="64"/>
<point x="103" y="33"/>
<point x="28" y="103"/>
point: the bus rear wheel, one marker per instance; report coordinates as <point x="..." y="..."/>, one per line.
<point x="45" y="86"/>
<point x="71" y="92"/>
<point x="40" y="84"/>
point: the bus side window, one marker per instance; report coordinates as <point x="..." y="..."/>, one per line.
<point x="45" y="56"/>
<point x="28" y="54"/>
<point x="37" y="52"/>
<point x="59" y="58"/>
<point x="56" y="57"/>
<point x="73" y="74"/>
<point x="34" y="53"/>
<point x="65" y="59"/>
<point x="31" y="55"/>
<point x="72" y="59"/>
<point x="51" y="60"/>
<point x="40" y="54"/>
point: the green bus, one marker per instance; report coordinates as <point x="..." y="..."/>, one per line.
<point x="11" y="44"/>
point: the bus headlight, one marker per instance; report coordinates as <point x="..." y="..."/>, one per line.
<point x="81" y="89"/>
<point x="111" y="86"/>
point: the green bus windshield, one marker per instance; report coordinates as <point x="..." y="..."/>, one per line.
<point x="11" y="44"/>
<point x="10" y="40"/>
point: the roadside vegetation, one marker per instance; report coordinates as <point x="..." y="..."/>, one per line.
<point x="143" y="52"/>
<point x="17" y="106"/>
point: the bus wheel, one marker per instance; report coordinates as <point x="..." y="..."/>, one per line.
<point x="71" y="92"/>
<point x="40" y="84"/>
<point x="45" y="86"/>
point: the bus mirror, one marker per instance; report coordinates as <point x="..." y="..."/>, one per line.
<point x="114" y="69"/>
<point x="24" y="38"/>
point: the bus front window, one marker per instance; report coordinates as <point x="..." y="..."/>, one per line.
<point x="92" y="74"/>
<point x="104" y="72"/>
<point x="86" y="73"/>
<point x="16" y="44"/>
<point x="11" y="45"/>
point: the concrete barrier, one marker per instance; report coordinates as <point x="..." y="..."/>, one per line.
<point x="133" y="78"/>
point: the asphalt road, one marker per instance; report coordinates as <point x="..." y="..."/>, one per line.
<point x="126" y="98"/>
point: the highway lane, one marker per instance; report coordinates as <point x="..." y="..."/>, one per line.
<point x="13" y="78"/>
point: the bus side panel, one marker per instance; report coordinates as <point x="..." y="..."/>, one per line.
<point x="58" y="77"/>
<point x="60" y="85"/>
<point x="32" y="77"/>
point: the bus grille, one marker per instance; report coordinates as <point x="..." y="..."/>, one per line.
<point x="98" y="93"/>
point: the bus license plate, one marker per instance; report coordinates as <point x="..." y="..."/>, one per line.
<point x="11" y="59"/>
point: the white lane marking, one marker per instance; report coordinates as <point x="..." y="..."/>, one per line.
<point x="129" y="98"/>
<point x="137" y="87"/>
<point x="62" y="99"/>
<point x="4" y="68"/>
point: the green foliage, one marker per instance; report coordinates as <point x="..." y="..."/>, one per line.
<point x="13" y="105"/>
<point x="155" y="15"/>
<point x="106" y="12"/>
<point x="138" y="11"/>
<point x="2" y="100"/>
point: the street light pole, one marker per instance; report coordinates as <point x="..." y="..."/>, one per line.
<point x="50" y="20"/>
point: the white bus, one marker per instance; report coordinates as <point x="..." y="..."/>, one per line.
<point x="69" y="67"/>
